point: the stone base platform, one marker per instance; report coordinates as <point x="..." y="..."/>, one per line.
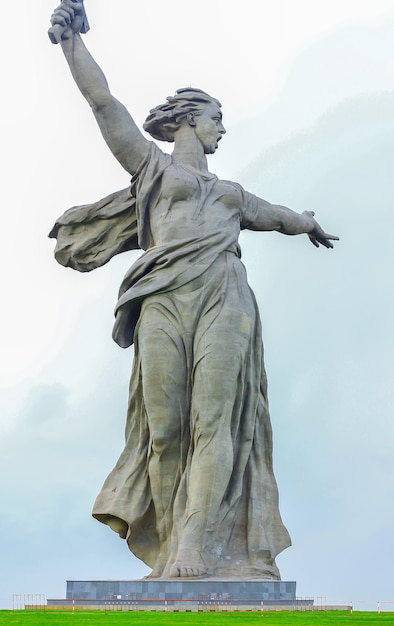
<point x="178" y="594"/>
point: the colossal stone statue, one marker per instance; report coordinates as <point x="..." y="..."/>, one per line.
<point x="193" y="492"/>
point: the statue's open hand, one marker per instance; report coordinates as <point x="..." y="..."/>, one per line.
<point x="69" y="17"/>
<point x="317" y="235"/>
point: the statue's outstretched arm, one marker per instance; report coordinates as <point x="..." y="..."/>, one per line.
<point x="262" y="215"/>
<point x="118" y="128"/>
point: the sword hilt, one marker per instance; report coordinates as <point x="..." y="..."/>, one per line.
<point x="55" y="33"/>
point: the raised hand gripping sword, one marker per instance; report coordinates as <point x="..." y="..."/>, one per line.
<point x="55" y="32"/>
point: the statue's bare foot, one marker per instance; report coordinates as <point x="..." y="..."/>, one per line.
<point x="189" y="564"/>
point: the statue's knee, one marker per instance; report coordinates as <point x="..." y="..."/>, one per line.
<point x="162" y="441"/>
<point x="212" y="421"/>
<point x="208" y="428"/>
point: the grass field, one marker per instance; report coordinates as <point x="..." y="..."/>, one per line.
<point x="146" y="618"/>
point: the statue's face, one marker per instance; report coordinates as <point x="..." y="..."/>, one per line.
<point x="208" y="127"/>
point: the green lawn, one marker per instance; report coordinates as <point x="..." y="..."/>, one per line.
<point x="98" y="618"/>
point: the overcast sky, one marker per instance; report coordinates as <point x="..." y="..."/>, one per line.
<point x="308" y="102"/>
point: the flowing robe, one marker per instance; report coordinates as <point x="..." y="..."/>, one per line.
<point x="190" y="287"/>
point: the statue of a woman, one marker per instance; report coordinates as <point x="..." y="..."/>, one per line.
<point x="193" y="492"/>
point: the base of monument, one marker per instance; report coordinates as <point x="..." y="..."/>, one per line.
<point x="192" y="595"/>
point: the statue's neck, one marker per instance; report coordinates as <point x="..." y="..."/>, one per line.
<point x="188" y="149"/>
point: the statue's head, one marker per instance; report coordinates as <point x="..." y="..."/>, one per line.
<point x="164" y="120"/>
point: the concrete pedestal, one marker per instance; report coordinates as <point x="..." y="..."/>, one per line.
<point x="272" y="590"/>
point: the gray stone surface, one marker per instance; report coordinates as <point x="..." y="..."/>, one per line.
<point x="182" y="589"/>
<point x="193" y="492"/>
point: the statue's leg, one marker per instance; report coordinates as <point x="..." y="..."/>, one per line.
<point x="165" y="398"/>
<point x="220" y="354"/>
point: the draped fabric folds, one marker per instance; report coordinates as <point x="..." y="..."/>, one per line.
<point x="199" y="278"/>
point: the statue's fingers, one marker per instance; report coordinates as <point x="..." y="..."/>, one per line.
<point x="76" y="6"/>
<point x="66" y="7"/>
<point x="324" y="241"/>
<point x="70" y="10"/>
<point x="58" y="20"/>
<point x="314" y="241"/>
<point x="66" y="15"/>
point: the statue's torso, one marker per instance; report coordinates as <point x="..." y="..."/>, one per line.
<point x="189" y="204"/>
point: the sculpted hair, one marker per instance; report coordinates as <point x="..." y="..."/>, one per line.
<point x="165" y="119"/>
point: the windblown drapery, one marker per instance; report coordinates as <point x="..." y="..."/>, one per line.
<point x="187" y="299"/>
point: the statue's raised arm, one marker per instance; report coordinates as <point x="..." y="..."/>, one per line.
<point x="194" y="492"/>
<point x="118" y="128"/>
